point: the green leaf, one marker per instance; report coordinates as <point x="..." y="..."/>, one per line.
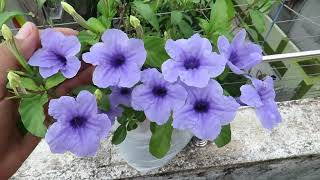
<point x="132" y="125"/>
<point x="204" y="24"/>
<point x="257" y="18"/>
<point x="176" y="17"/>
<point x="32" y="114"/>
<point x="122" y="120"/>
<point x="146" y="12"/>
<point x="88" y="37"/>
<point x="6" y="15"/>
<point x="95" y="24"/>
<point x="119" y="135"/>
<point x="140" y="116"/>
<point x="160" y="141"/>
<point x="224" y="137"/>
<point x="107" y="8"/>
<point x="40" y="3"/>
<point x="156" y="52"/>
<point x="186" y="29"/>
<point x="221" y="16"/>
<point x="29" y="84"/>
<point x="54" y="80"/>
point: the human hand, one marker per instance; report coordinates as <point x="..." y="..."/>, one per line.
<point x="14" y="146"/>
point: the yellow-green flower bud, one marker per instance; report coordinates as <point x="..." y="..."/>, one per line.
<point x="14" y="79"/>
<point x="98" y="93"/>
<point x="68" y="8"/>
<point x="134" y="21"/>
<point x="6" y="32"/>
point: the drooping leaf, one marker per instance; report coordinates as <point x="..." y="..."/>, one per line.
<point x="29" y="84"/>
<point x="160" y="141"/>
<point x="119" y="135"/>
<point x="156" y="52"/>
<point x="176" y="17"/>
<point x="32" y="114"/>
<point x="257" y="18"/>
<point x="146" y="12"/>
<point x="224" y="137"/>
<point x="54" y="80"/>
<point x="6" y="16"/>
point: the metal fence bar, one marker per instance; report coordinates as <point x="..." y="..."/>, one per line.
<point x="292" y="56"/>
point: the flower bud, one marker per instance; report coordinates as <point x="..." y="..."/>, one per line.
<point x="98" y="93"/>
<point x="68" y="8"/>
<point x="14" y="79"/>
<point x="6" y="32"/>
<point x="134" y="21"/>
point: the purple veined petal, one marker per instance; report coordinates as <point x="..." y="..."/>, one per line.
<point x="105" y="76"/>
<point x="87" y="104"/>
<point x="214" y="63"/>
<point x="234" y="68"/>
<point x="71" y="46"/>
<point x="72" y="67"/>
<point x="175" y="49"/>
<point x="151" y="76"/>
<point x="136" y="52"/>
<point x="50" y="39"/>
<point x="100" y="124"/>
<point x="62" y="108"/>
<point x="129" y="76"/>
<point x="225" y="109"/>
<point x="269" y="114"/>
<point x="224" y="46"/>
<point x="85" y="142"/>
<point x="178" y="96"/>
<point x="47" y="72"/>
<point x="239" y="38"/>
<point x="99" y="53"/>
<point x="56" y="136"/>
<point x="251" y="47"/>
<point x="114" y="112"/>
<point x="199" y="45"/>
<point x="44" y="58"/>
<point x="184" y="118"/>
<point x="170" y="70"/>
<point x="207" y="128"/>
<point x="250" y="96"/>
<point x="115" y="38"/>
<point x="265" y="88"/>
<point x="159" y="111"/>
<point x="197" y="77"/>
<point x="141" y="98"/>
<point x="255" y="59"/>
<point x="116" y="97"/>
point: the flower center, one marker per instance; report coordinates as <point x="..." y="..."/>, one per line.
<point x="125" y="91"/>
<point x="159" y="91"/>
<point x="201" y="106"/>
<point x="234" y="57"/>
<point x="118" y="61"/>
<point x="78" y="122"/>
<point x="192" y="63"/>
<point x="62" y="59"/>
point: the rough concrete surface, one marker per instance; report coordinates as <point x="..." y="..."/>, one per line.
<point x="291" y="151"/>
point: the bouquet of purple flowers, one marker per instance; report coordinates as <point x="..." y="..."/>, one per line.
<point x="175" y="84"/>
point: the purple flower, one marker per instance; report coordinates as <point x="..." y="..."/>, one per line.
<point x="206" y="111"/>
<point x="261" y="95"/>
<point x="193" y="61"/>
<point x="120" y="96"/>
<point x="78" y="127"/>
<point x="118" y="60"/>
<point x="157" y="97"/>
<point x="114" y="112"/>
<point x="241" y="55"/>
<point x="58" y="53"/>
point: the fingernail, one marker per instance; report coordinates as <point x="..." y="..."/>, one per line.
<point x="25" y="30"/>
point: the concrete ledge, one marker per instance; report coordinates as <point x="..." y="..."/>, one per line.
<point x="291" y="151"/>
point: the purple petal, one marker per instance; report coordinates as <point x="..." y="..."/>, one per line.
<point x="250" y="96"/>
<point x="207" y="129"/>
<point x="225" y="109"/>
<point x="72" y="67"/>
<point x="47" y="72"/>
<point x="56" y="137"/>
<point x="224" y="46"/>
<point x="98" y="54"/>
<point x="129" y="76"/>
<point x="269" y="114"/>
<point x="175" y="48"/>
<point x="136" y="52"/>
<point x="50" y="39"/>
<point x="44" y="58"/>
<point x="170" y="70"/>
<point x="101" y="124"/>
<point x="159" y="111"/>
<point x="184" y="118"/>
<point x="178" y="96"/>
<point x="87" y="104"/>
<point x="214" y="63"/>
<point x="151" y="76"/>
<point x="141" y="98"/>
<point x="115" y="38"/>
<point x="239" y="38"/>
<point x="85" y="142"/>
<point x="70" y="45"/>
<point x="197" y="77"/>
<point x="105" y="76"/>
<point x="234" y="68"/>
<point x="199" y="45"/>
<point x="62" y="108"/>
